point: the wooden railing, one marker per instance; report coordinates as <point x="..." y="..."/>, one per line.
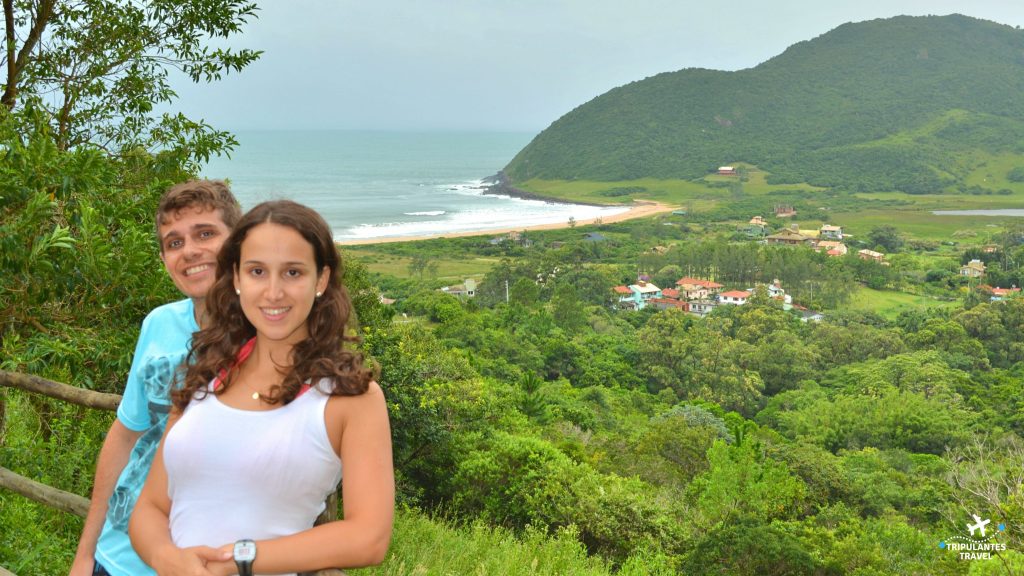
<point x="73" y="503"/>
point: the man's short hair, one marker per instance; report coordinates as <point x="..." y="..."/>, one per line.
<point x="207" y="194"/>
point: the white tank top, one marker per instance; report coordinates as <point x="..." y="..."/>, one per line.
<point x="234" y="474"/>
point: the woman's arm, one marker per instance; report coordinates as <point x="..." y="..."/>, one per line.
<point x="149" y="529"/>
<point x="368" y="491"/>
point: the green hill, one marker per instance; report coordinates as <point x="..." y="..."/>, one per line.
<point x="906" y="103"/>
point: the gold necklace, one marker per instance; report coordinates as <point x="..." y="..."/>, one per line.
<point x="255" y="394"/>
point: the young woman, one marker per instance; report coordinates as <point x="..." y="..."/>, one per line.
<point x="272" y="407"/>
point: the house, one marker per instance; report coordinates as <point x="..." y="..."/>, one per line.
<point x="756" y="227"/>
<point x="696" y="288"/>
<point x="788" y="237"/>
<point x="973" y="269"/>
<point x="727" y="170"/>
<point x="1004" y="293"/>
<point x="594" y="237"/>
<point x="668" y="303"/>
<point x="670" y="293"/>
<point x="636" y="296"/>
<point x="811" y="316"/>
<point x="735" y="297"/>
<point x="464" y="290"/>
<point x="829" y="232"/>
<point x="775" y="292"/>
<point x="702" y="307"/>
<point x="866" y="254"/>
<point x="990" y="248"/>
<point x="517" y="238"/>
<point x="784" y="211"/>
<point x="831" y="247"/>
<point x="625" y="295"/>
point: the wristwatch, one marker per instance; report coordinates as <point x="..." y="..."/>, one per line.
<point x="245" y="553"/>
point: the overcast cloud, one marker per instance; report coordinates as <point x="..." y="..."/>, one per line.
<point x="515" y="65"/>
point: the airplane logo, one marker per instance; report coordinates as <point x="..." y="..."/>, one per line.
<point x="979" y="524"/>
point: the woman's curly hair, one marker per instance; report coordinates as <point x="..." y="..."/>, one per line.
<point x="323" y="354"/>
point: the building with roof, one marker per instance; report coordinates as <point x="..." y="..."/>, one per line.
<point x="973" y="269"/>
<point x="702" y="307"/>
<point x="1004" y="293"/>
<point x="636" y="296"/>
<point x="784" y="211"/>
<point x="789" y="237"/>
<point x="734" y="297"/>
<point x="831" y="247"/>
<point x="830" y="232"/>
<point x="464" y="290"/>
<point x="697" y="288"/>
<point x="866" y="254"/>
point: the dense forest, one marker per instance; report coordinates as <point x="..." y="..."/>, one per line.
<point x="538" y="428"/>
<point x="894" y="104"/>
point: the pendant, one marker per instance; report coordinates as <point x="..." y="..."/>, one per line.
<point x="255" y="395"/>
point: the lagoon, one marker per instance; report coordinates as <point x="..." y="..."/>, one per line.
<point x="1018" y="212"/>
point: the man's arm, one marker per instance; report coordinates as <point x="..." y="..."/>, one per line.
<point x="117" y="447"/>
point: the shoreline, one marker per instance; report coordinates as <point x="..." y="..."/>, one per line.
<point x="499" y="185"/>
<point x="639" y="209"/>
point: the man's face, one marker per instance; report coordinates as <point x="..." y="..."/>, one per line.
<point x="190" y="240"/>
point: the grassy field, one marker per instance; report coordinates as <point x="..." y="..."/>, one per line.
<point x="448" y="269"/>
<point x="922" y="225"/>
<point x="889" y="304"/>
<point x="911" y="214"/>
<point x="697" y="195"/>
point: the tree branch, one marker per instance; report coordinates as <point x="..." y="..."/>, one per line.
<point x="9" y="45"/>
<point x="16" y="65"/>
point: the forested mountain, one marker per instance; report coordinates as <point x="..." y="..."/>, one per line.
<point x="901" y="103"/>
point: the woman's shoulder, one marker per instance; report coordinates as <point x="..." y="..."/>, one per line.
<point x="367" y="407"/>
<point x="328" y="386"/>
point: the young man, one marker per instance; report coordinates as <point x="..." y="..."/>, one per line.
<point x="192" y="221"/>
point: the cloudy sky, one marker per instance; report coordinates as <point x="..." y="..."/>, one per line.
<point x="513" y="65"/>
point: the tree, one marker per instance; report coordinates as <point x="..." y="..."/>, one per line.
<point x="667" y="276"/>
<point x="525" y="292"/>
<point x="566" y="308"/>
<point x="95" y="70"/>
<point x="741" y="483"/>
<point x="888" y="237"/>
<point x="419" y="264"/>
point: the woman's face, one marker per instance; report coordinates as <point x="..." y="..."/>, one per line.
<point x="278" y="282"/>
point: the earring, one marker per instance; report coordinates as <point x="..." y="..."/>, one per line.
<point x="319" y="294"/>
<point x="238" y="292"/>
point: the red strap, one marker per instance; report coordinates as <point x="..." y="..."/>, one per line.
<point x="244" y="352"/>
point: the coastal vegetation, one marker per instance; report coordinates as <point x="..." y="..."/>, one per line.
<point x="539" y="427"/>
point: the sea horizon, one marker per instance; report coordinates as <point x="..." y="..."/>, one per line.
<point x="372" y="184"/>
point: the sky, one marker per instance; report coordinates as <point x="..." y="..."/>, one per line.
<point x="491" y="65"/>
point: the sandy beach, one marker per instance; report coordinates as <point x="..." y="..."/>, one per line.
<point x="638" y="209"/>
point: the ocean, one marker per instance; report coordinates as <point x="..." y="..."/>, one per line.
<point x="371" y="185"/>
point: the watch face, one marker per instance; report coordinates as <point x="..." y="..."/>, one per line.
<point x="245" y="550"/>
